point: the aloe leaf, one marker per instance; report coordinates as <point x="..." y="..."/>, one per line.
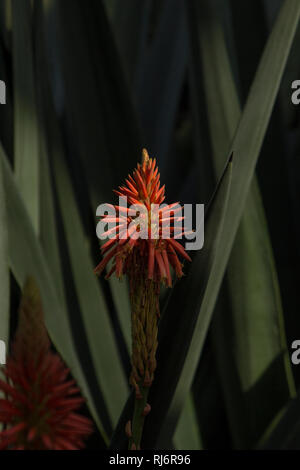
<point x="291" y="73"/>
<point x="209" y="401"/>
<point x="4" y="269"/>
<point x="102" y="119"/>
<point x="95" y="315"/>
<point x="177" y="358"/>
<point x="255" y="333"/>
<point x="6" y="111"/>
<point x="6" y="21"/>
<point x="161" y="78"/>
<point x="48" y="217"/>
<point x="187" y="435"/>
<point x="130" y="26"/>
<point x="26" y="156"/>
<point x="246" y="146"/>
<point x="48" y="226"/>
<point x="285" y="431"/>
<point x="112" y="380"/>
<point x="26" y="258"/>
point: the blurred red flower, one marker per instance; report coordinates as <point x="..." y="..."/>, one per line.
<point x="40" y="404"/>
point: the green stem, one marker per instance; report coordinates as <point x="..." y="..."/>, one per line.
<point x="138" y="418"/>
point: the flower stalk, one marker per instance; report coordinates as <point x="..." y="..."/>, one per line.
<point x="144" y="296"/>
<point x="146" y="253"/>
<point x="139" y="414"/>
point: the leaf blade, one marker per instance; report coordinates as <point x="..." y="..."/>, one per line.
<point x="4" y="270"/>
<point x="257" y="317"/>
<point x="26" y="152"/>
<point x="26" y="257"/>
<point x="246" y="146"/>
<point x="187" y="434"/>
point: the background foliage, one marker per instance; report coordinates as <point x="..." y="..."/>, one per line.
<point x="205" y="86"/>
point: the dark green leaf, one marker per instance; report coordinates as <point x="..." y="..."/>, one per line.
<point x="285" y="431"/>
<point x="253" y="335"/>
<point x="187" y="434"/>
<point x="161" y="78"/>
<point x="177" y="357"/>
<point x="26" y="151"/>
<point x="26" y="258"/>
<point x="4" y="270"/>
<point x="246" y="146"/>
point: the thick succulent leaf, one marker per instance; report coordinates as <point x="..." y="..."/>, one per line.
<point x="161" y="78"/>
<point x="279" y="168"/>
<point x="5" y="125"/>
<point x="101" y="120"/>
<point x="6" y="111"/>
<point x="130" y="26"/>
<point x="209" y="401"/>
<point x="4" y="269"/>
<point x="26" y="151"/>
<point x="6" y="21"/>
<point x="254" y="328"/>
<point x="282" y="187"/>
<point x="95" y="314"/>
<point x="53" y="249"/>
<point x="119" y="289"/>
<point x="284" y="433"/>
<point x="187" y="434"/>
<point x="26" y="258"/>
<point x="48" y="217"/>
<point x="246" y="147"/>
<point x="178" y="357"/>
<point x="104" y="126"/>
<point x="48" y="226"/>
<point x="292" y="71"/>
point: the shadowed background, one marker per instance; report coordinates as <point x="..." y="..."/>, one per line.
<point x="89" y="83"/>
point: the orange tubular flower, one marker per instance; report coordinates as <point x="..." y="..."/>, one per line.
<point x="39" y="411"/>
<point x="143" y="190"/>
<point x="144" y="247"/>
